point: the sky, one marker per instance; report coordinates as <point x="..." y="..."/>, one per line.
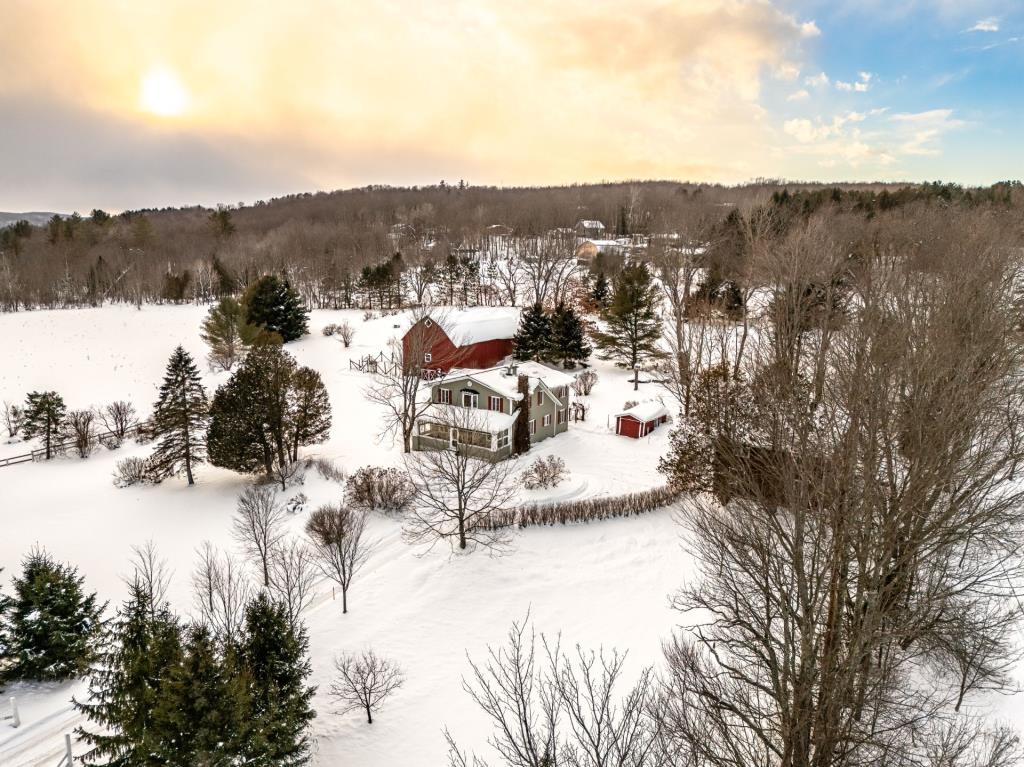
<point x="123" y="104"/>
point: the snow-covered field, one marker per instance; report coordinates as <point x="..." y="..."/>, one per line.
<point x="606" y="583"/>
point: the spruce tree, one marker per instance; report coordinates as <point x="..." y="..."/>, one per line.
<point x="568" y="342"/>
<point x="633" y="321"/>
<point x="51" y="624"/>
<point x="601" y="293"/>
<point x="179" y="417"/>
<point x="272" y="304"/>
<point x="275" y="657"/>
<point x="201" y="716"/>
<point x="45" y="417"/>
<point x="309" y="410"/>
<point x="533" y="338"/>
<point x="521" y="432"/>
<point x="127" y="684"/>
<point x="227" y="333"/>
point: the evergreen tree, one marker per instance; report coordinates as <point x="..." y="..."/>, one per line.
<point x="127" y="684"/>
<point x="533" y="338"/>
<point x="601" y="293"/>
<point x="568" y="342"/>
<point x="51" y="624"/>
<point x="268" y="409"/>
<point x="275" y="657"/>
<point x="227" y="333"/>
<point x="521" y="432"/>
<point x="309" y="410"/>
<point x="272" y="304"/>
<point x="634" y="325"/>
<point x="179" y="417"/>
<point x="45" y="417"/>
<point x="201" y="717"/>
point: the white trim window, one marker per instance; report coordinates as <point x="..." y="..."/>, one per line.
<point x="540" y="395"/>
<point x="428" y="357"/>
<point x="495" y="404"/>
<point x="562" y="414"/>
<point x="547" y="420"/>
<point x="444" y="396"/>
<point x="533" y="426"/>
<point x="502" y="439"/>
<point x="470" y="399"/>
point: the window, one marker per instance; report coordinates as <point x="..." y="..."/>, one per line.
<point x="434" y="430"/>
<point x="444" y="396"/>
<point x="533" y="426"/>
<point x="540" y="395"/>
<point x="494" y="403"/>
<point x="547" y="420"/>
<point x="561" y="416"/>
<point x="428" y="357"/>
<point x="470" y="399"/>
<point x="427" y="323"/>
<point x="502" y="439"/>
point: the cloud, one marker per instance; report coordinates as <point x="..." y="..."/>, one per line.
<point x="800" y="95"/>
<point x="495" y="92"/>
<point x="861" y="85"/>
<point x="819" y="80"/>
<point x="990" y="24"/>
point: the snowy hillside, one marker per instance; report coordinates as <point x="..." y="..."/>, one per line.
<point x="604" y="583"/>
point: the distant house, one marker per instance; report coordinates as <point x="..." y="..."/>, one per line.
<point x="478" y="337"/>
<point x="590" y="229"/>
<point x="640" y="420"/>
<point x="588" y="249"/>
<point x="476" y="410"/>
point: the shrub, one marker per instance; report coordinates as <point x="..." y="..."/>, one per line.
<point x="112" y="442"/>
<point x="367" y="316"/>
<point x="296" y="504"/>
<point x="377" y="488"/>
<point x="346" y="332"/>
<point x="586" y="510"/>
<point x="136" y="471"/>
<point x="545" y="472"/>
<point x="331" y="329"/>
<point x="629" y="403"/>
<point x="584" y="383"/>
<point x="327" y="469"/>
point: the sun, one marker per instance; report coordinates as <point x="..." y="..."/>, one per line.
<point x="162" y="93"/>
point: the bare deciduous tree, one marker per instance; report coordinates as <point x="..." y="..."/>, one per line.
<point x="459" y="497"/>
<point x="258" y="525"/>
<point x="346" y="333"/>
<point x="292" y="574"/>
<point x="150" y="573"/>
<point x="221" y="592"/>
<point x="14" y="416"/>
<point x="336" y="532"/>
<point x="119" y="417"/>
<point x="365" y="681"/>
<point x="83" y="431"/>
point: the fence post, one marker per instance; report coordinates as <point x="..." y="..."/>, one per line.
<point x="67" y="749"/>
<point x="15" y="718"/>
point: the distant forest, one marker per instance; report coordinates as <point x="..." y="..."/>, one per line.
<point x="337" y="247"/>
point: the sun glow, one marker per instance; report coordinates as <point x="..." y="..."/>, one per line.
<point x="162" y="93"/>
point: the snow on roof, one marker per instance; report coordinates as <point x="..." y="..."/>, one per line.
<point x="645" y="411"/>
<point x="591" y="224"/>
<point x="498" y="379"/>
<point x="474" y="325"/>
<point x="470" y="418"/>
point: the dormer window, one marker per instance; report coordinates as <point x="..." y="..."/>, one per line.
<point x="428" y="357"/>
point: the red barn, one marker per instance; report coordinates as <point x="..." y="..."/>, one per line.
<point x="479" y="337"/>
<point x="640" y="420"/>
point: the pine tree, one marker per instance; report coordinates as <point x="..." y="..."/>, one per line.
<point x="634" y="326"/>
<point x="51" y="624"/>
<point x="568" y="342"/>
<point x="533" y="338"/>
<point x="309" y="410"/>
<point x="127" y="683"/>
<point x="45" y="417"/>
<point x="201" y="717"/>
<point x="275" y="657"/>
<point x="272" y="304"/>
<point x="521" y="432"/>
<point x="179" y="417"/>
<point x="601" y="292"/>
<point x="227" y="333"/>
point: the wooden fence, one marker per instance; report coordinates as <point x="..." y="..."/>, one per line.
<point x="39" y="454"/>
<point x="585" y="509"/>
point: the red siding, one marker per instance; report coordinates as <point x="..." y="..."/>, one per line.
<point x="444" y="355"/>
<point x="628" y="426"/>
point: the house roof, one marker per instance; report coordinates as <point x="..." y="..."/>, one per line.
<point x="470" y="418"/>
<point x="590" y="224"/>
<point x="644" y="411"/>
<point x="498" y="380"/>
<point x="474" y="325"/>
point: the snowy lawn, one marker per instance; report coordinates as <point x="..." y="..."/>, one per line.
<point x="605" y="583"/>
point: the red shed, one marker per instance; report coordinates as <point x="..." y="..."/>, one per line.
<point x="640" y="420"/>
<point x="479" y="337"/>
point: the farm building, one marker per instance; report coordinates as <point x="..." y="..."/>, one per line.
<point x="478" y="337"/>
<point x="640" y="420"/>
